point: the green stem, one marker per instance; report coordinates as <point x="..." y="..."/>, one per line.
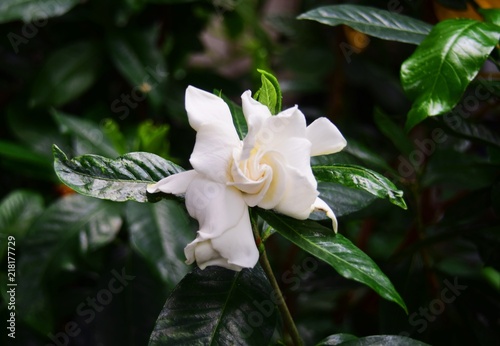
<point x="290" y="326"/>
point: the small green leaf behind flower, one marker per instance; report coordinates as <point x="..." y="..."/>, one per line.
<point x="269" y="93"/>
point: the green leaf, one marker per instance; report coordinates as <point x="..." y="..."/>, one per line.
<point x="159" y="232"/>
<point x="490" y="15"/>
<point x="392" y="131"/>
<point x="269" y="93"/>
<point x="18" y="210"/>
<point x="366" y="154"/>
<point x="71" y="226"/>
<point x="439" y="71"/>
<point x="386" y="340"/>
<point x="239" y="120"/>
<point x="217" y="306"/>
<point x="111" y="130"/>
<point x="336" y="250"/>
<point x="136" y="55"/>
<point x="372" y="21"/>
<point x="342" y="199"/>
<point x="20" y="153"/>
<point x="476" y="172"/>
<point x="66" y="74"/>
<point x="33" y="10"/>
<point x="122" y="179"/>
<point x="153" y="138"/>
<point x="471" y="130"/>
<point x="361" y="178"/>
<point x="336" y="339"/>
<point x="89" y="138"/>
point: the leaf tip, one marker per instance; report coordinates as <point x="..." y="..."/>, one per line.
<point x="58" y="153"/>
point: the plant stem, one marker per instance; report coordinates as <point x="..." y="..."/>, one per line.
<point x="290" y="326"/>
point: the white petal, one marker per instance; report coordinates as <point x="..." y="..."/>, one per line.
<point x="217" y="207"/>
<point x="254" y="111"/>
<point x="296" y="153"/>
<point x="289" y="123"/>
<point x="299" y="195"/>
<point x="319" y="204"/>
<point x="325" y="137"/>
<point x="213" y="151"/>
<point x="205" y="255"/>
<point x="205" y="108"/>
<point x="176" y="184"/>
<point x="276" y="183"/>
<point x="255" y="114"/>
<point x="237" y="244"/>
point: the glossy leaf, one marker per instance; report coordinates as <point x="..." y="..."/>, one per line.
<point x="71" y="226"/>
<point x="217" y="306"/>
<point x="336" y="250"/>
<point x="18" y="210"/>
<point x="269" y="93"/>
<point x="386" y="340"/>
<point x="342" y="199"/>
<point x="362" y="179"/>
<point x="491" y="15"/>
<point x="438" y="72"/>
<point x="372" y="21"/>
<point x="139" y="60"/>
<point x="66" y="74"/>
<point x="471" y="130"/>
<point x="159" y="232"/>
<point x="33" y="10"/>
<point x="122" y="179"/>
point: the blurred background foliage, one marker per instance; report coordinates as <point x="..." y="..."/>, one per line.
<point x="108" y="77"/>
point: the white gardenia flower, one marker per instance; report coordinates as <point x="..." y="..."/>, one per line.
<point x="270" y="169"/>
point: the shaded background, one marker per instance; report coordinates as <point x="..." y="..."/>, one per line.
<point x="109" y="78"/>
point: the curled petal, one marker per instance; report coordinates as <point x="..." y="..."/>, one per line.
<point x="296" y="154"/>
<point x="325" y="137"/>
<point x="287" y="124"/>
<point x="234" y="249"/>
<point x="255" y="114"/>
<point x="205" y="255"/>
<point x="176" y="184"/>
<point x="206" y="108"/>
<point x="213" y="150"/>
<point x="299" y="195"/>
<point x="237" y="244"/>
<point x="217" y="207"/>
<point x="321" y="205"/>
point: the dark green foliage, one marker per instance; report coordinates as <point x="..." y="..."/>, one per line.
<point x="104" y="82"/>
